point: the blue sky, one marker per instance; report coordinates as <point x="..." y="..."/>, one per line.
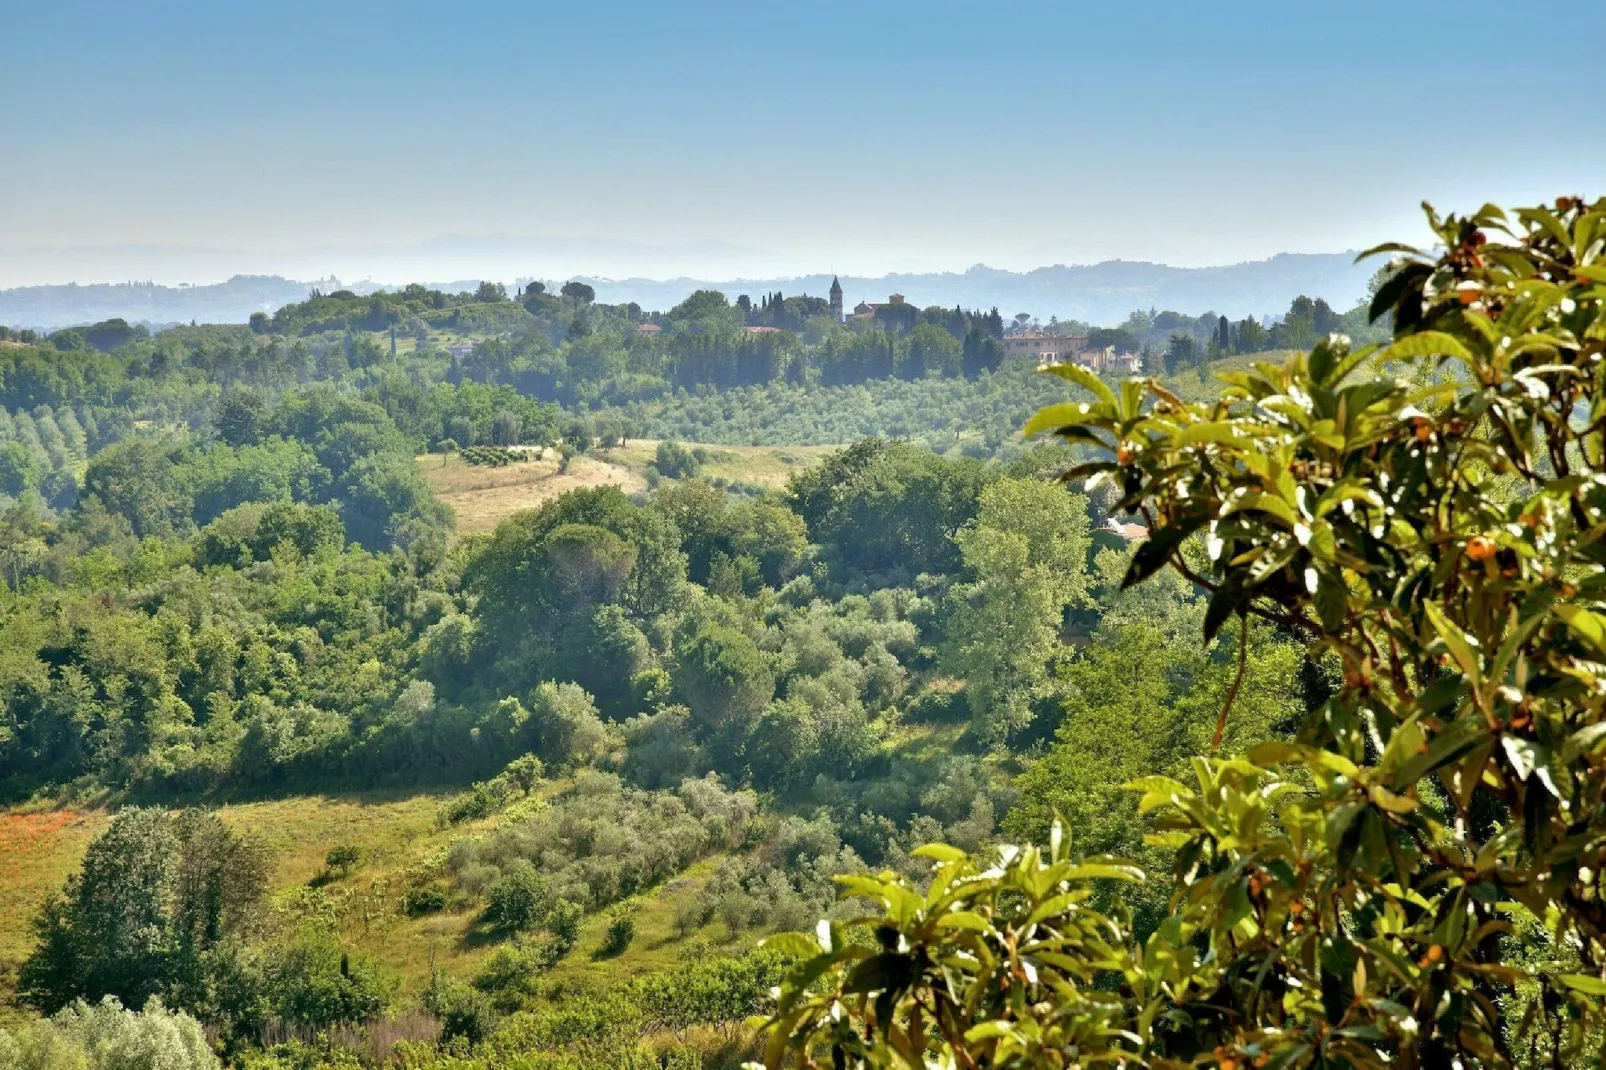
<point x="857" y="137"/>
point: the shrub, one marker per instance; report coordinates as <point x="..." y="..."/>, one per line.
<point x="676" y="461"/>
<point x="563" y="921"/>
<point x="620" y="932"/>
<point x="313" y="982"/>
<point x="343" y="857"/>
<point x="519" y="900"/>
<point x="509" y="974"/>
<point x="419" y="901"/>
<point x="464" y="1011"/>
<point x="691" y="914"/>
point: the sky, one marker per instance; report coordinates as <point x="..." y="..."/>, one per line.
<point x="188" y="142"/>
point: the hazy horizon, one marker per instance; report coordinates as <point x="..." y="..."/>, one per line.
<point x="495" y="258"/>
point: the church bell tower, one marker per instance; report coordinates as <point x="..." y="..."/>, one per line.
<point x="836" y="298"/>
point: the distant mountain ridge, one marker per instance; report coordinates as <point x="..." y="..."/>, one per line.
<point x="72" y="304"/>
<point x="1097" y="293"/>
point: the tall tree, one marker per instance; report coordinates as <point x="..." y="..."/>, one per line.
<point x="1025" y="558"/>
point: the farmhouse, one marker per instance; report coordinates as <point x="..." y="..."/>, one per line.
<point x="1045" y="348"/>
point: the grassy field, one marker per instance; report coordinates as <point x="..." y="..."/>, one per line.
<point x="483" y="497"/>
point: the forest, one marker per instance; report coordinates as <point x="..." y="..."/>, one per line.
<point x="1242" y="712"/>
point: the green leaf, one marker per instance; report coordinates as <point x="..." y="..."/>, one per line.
<point x="1428" y="344"/>
<point x="1545" y="219"/>
<point x="1583" y="741"/>
<point x="963" y="919"/>
<point x="1523" y="755"/>
<point x="1408" y="277"/>
<point x="1583" y="982"/>
<point x="1156" y="783"/>
<point x="1221" y="433"/>
<point x="1152" y="554"/>
<point x="1085" y="379"/>
<point x="1223" y="603"/>
<point x="1054" y="417"/>
<point x="1103" y="871"/>
<point x="938" y="852"/>
<point x="800" y="945"/>
<point x="1586" y="625"/>
<point x="1456" y="739"/>
<point x="887" y="971"/>
<point x="1461" y="646"/>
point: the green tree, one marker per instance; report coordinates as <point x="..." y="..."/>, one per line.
<point x="19" y="468"/>
<point x="156" y="892"/>
<point x="382" y="494"/>
<point x="106" y="1036"/>
<point x="139" y="480"/>
<point x="723" y="677"/>
<point x="241" y="416"/>
<point x="1025" y="557"/>
<point x="887" y="509"/>
<point x="1181" y="353"/>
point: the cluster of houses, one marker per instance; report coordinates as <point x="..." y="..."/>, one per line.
<point x="1045" y="347"/>
<point x="1040" y="347"/>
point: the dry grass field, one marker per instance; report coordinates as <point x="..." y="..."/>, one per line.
<point x="483" y="497"/>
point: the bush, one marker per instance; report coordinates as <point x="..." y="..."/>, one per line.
<point x="692" y="914"/>
<point x="563" y="921"/>
<point x="488" y="796"/>
<point x="676" y="461"/>
<point x="621" y="931"/>
<point x="464" y="1011"/>
<point x="509" y="975"/>
<point x="490" y="456"/>
<point x="420" y="901"/>
<point x="343" y="857"/>
<point x="519" y="900"/>
<point x="315" y="983"/>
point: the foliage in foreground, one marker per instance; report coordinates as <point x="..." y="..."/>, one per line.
<point x="1413" y="882"/>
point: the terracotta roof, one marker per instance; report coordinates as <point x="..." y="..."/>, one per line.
<point x="649" y="328"/>
<point x="1129" y="532"/>
<point x="763" y="330"/>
